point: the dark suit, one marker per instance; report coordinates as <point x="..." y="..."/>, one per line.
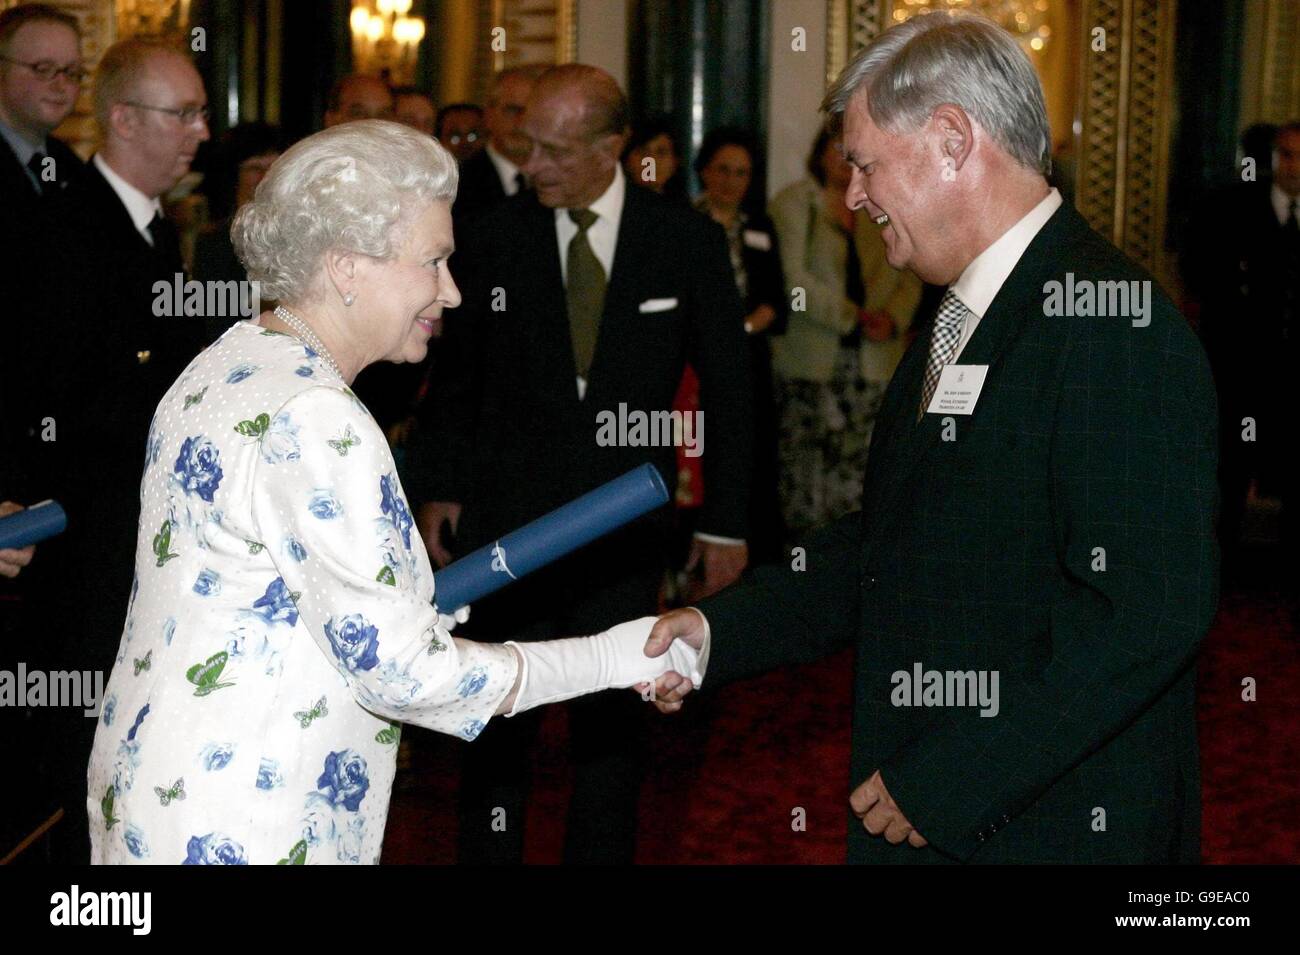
<point x="507" y="435"/>
<point x="105" y="362"/>
<point x="1246" y="275"/>
<point x="979" y="554"/>
<point x="479" y="189"/>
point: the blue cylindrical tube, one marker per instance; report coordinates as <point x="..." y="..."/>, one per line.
<point x="37" y="523"/>
<point x="549" y="538"/>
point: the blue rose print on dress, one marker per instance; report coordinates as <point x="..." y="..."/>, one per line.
<point x="355" y="641"/>
<point x="110" y="710"/>
<point x="135" y="841"/>
<point x="304" y="371"/>
<point x="471" y="728"/>
<point x="208" y="583"/>
<point x="276" y="605"/>
<point x="268" y="774"/>
<point x="169" y="630"/>
<point x="293" y="547"/>
<point x="324" y="505"/>
<point x="214" y="849"/>
<point x="344" y="781"/>
<point x="395" y="508"/>
<point x="198" y="467"/>
<point x="472" y="682"/>
<point x="280" y="443"/>
<point x="216" y="756"/>
<point x="139" y="718"/>
<point x="239" y="373"/>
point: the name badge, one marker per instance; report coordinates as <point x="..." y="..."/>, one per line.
<point x="757" y="239"/>
<point x="958" y="389"/>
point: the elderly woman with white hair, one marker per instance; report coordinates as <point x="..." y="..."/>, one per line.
<point x="281" y="623"/>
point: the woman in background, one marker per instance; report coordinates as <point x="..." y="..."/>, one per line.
<point x="726" y="165"/>
<point x="651" y="159"/>
<point x="841" y="348"/>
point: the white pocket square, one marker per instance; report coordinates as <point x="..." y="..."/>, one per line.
<point x="657" y="305"/>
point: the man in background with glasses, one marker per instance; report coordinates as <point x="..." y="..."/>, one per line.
<point x="40" y="78"/>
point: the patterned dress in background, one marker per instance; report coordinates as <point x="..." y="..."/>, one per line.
<point x="280" y="626"/>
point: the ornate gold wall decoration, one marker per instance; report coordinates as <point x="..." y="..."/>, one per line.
<point x="1125" y="121"/>
<point x="1270" y="83"/>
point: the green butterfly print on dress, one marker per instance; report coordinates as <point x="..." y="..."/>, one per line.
<point x="385" y="576"/>
<point x="106" y="806"/>
<point x="204" y="676"/>
<point x="255" y="428"/>
<point x="162" y="544"/>
<point x="344" y="442"/>
<point x="165" y="796"/>
<point x="192" y="400"/>
<point x="305" y="717"/>
<point x="297" y="855"/>
<point x="254" y="547"/>
<point x="389" y="735"/>
<point x="142" y="664"/>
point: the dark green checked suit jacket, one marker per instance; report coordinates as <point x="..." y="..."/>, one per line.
<point x="981" y="553"/>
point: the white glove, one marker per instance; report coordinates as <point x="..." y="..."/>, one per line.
<point x="448" y="621"/>
<point x="555" y="670"/>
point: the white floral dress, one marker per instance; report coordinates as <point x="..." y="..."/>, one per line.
<point x="280" y="626"/>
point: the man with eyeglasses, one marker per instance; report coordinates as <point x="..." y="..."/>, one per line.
<point x="40" y="77"/>
<point x="106" y="359"/>
<point x="495" y="172"/>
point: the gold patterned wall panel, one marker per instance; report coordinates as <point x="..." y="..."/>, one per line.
<point x="1125" y="121"/>
<point x="1270" y="83"/>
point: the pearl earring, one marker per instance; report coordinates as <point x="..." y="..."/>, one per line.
<point x="349" y="298"/>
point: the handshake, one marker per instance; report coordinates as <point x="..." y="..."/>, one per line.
<point x="662" y="659"/>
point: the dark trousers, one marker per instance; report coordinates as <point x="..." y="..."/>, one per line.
<point x="614" y="582"/>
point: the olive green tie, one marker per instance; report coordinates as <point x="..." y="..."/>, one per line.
<point x="586" y="291"/>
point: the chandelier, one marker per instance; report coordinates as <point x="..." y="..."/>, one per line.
<point x="1026" y="20"/>
<point x="385" y="39"/>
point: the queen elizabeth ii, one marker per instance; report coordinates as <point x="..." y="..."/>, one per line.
<point x="281" y="624"/>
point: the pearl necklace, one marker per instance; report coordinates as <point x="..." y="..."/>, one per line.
<point x="307" y="336"/>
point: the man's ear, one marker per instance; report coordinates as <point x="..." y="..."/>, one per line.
<point x="124" y="121"/>
<point x="612" y="144"/>
<point x="955" y="135"/>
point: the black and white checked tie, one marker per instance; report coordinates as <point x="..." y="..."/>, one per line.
<point x="943" y="343"/>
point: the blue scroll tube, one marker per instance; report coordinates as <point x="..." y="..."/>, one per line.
<point x="37" y="523"/>
<point x="549" y="538"/>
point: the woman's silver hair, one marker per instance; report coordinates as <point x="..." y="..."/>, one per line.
<point x="346" y="188"/>
<point x="963" y="59"/>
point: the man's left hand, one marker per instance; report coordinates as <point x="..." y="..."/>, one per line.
<point x="879" y="813"/>
<point x="723" y="564"/>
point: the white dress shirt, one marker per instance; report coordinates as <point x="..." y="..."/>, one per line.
<point x="139" y="207"/>
<point x="1281" y="204"/>
<point x="979" y="283"/>
<point x="507" y="171"/>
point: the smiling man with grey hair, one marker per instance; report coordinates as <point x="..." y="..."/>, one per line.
<point x="1038" y="504"/>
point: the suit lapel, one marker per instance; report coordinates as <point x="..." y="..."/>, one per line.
<point x="1020" y="298"/>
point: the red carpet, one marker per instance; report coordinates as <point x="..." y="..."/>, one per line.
<point x="726" y="777"/>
